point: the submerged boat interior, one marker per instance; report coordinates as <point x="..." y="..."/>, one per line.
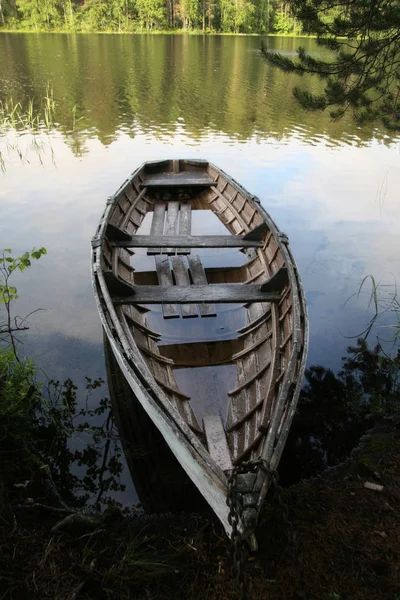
<point x="215" y="317"/>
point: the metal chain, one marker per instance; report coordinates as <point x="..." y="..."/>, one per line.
<point x="235" y="513"/>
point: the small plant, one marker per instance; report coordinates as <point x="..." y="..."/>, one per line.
<point x="41" y="421"/>
<point x="8" y="293"/>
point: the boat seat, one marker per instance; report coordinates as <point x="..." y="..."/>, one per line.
<point x="182" y="179"/>
<point x="216" y="441"/>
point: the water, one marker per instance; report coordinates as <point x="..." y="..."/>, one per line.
<point x="331" y="187"/>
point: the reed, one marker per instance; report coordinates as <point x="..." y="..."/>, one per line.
<point x="32" y="119"/>
<point x="22" y="128"/>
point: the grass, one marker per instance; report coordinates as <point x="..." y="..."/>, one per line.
<point x="385" y="301"/>
<point x="23" y="128"/>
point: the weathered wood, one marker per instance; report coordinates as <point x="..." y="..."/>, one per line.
<point x="213" y="274"/>
<point x="257" y="233"/>
<point x="171" y="225"/>
<point x="157" y="226"/>
<point x="191" y="241"/>
<point x="182" y="179"/>
<point x="250" y="380"/>
<point x="244" y="482"/>
<point x="244" y="418"/>
<point x="130" y="210"/>
<point x="201" y="354"/>
<point x="252" y="325"/>
<point x="263" y="402"/>
<point x="164" y="275"/>
<point x="199" y="279"/>
<point x="216" y="441"/>
<point x="221" y="294"/>
<point x="277" y="282"/>
<point x="115" y="233"/>
<point x="115" y="284"/>
<point x="182" y="278"/>
<point x="185" y="224"/>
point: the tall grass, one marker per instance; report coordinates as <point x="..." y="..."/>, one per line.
<point x="385" y="301"/>
<point x="22" y="128"/>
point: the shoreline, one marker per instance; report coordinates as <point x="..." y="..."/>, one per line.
<point x="178" y="32"/>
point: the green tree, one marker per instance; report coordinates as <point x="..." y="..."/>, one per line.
<point x="362" y="70"/>
<point x="237" y="15"/>
<point x="43" y="14"/>
<point x="190" y="13"/>
<point x="151" y="13"/>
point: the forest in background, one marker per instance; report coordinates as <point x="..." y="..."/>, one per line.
<point x="211" y="16"/>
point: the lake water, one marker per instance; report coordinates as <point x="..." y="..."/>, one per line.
<point x="123" y="99"/>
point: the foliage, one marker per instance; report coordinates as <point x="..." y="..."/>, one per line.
<point x="335" y="410"/>
<point x="80" y="444"/>
<point x="9" y="293"/>
<point x="238" y="16"/>
<point x="19" y="399"/>
<point x="361" y="70"/>
<point x="77" y="447"/>
<point x="75" y="444"/>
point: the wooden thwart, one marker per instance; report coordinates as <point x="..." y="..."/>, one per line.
<point x="178" y="179"/>
<point x="222" y="293"/>
<point x="156" y="239"/>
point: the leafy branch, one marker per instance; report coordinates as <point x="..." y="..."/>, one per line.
<point x="9" y="293"/>
<point x="362" y="72"/>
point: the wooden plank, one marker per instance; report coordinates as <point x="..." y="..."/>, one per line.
<point x="277" y="282"/>
<point x="115" y="233"/>
<point x="199" y="279"/>
<point x="157" y="226"/>
<point x="213" y="274"/>
<point x="192" y="241"/>
<point x="185" y="224"/>
<point x="164" y="275"/>
<point x="221" y="294"/>
<point x="257" y="233"/>
<point x="132" y="208"/>
<point x="171" y="225"/>
<point x="182" y="278"/>
<point x="216" y="441"/>
<point x="201" y="354"/>
<point x="184" y="178"/>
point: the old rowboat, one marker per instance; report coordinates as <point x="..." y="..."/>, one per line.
<point x="214" y="324"/>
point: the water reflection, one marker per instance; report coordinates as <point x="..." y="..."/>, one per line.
<point x="165" y="85"/>
<point x="330" y="186"/>
<point x="160" y="482"/>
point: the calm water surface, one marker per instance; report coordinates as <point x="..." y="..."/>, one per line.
<point x="332" y="188"/>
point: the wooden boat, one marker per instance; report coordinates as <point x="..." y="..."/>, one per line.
<point x="255" y="333"/>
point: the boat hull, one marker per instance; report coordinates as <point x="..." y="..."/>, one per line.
<point x="268" y="352"/>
